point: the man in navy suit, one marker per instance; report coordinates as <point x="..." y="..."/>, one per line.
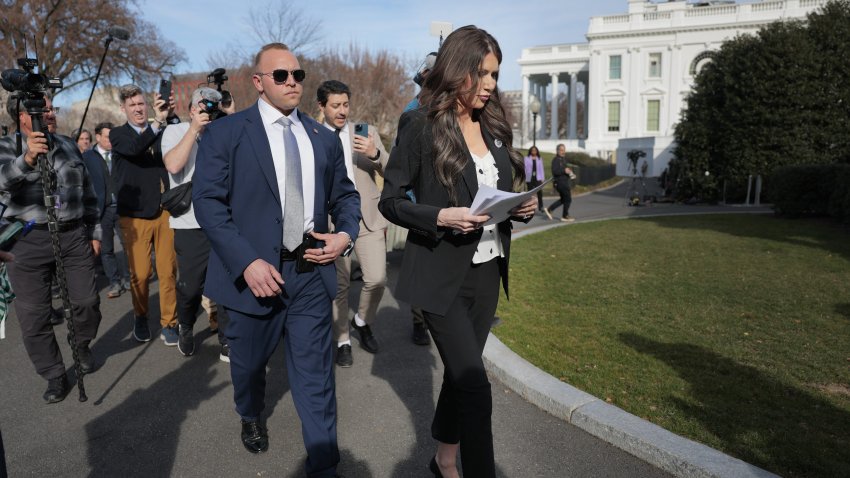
<point x="256" y="171"/>
<point x="98" y="162"/>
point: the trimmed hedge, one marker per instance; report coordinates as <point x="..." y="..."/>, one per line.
<point x="816" y="190"/>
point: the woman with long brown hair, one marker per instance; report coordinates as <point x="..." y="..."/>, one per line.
<point x="455" y="142"/>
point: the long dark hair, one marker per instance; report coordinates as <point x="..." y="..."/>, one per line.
<point x="460" y="58"/>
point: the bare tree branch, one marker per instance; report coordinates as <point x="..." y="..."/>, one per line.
<point x="283" y="21"/>
<point x="69" y="39"/>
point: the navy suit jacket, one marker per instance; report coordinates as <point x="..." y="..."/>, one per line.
<point x="237" y="203"/>
<point x="99" y="175"/>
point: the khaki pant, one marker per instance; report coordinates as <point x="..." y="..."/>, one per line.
<point x="140" y="236"/>
<point x="371" y="251"/>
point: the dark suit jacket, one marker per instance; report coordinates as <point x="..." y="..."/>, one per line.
<point x="435" y="259"/>
<point x="99" y="175"/>
<point x="237" y="203"/>
<point x="138" y="170"/>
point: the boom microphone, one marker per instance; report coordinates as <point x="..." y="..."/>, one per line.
<point x="119" y="33"/>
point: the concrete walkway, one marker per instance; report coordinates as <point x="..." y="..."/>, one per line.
<point x="152" y="412"/>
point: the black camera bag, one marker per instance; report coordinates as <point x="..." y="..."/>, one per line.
<point x="177" y="200"/>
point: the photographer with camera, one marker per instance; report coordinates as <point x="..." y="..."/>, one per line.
<point x="179" y="148"/>
<point x="141" y="178"/>
<point x="35" y="263"/>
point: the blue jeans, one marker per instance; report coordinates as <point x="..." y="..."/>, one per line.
<point x="114" y="267"/>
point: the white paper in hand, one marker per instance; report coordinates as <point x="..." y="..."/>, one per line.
<point x="497" y="203"/>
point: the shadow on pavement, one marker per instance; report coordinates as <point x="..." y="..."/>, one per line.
<point x="738" y="404"/>
<point x="140" y="436"/>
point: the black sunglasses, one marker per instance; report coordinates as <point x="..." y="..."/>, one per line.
<point x="280" y="76"/>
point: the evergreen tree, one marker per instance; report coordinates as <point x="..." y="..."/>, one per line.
<point x="779" y="97"/>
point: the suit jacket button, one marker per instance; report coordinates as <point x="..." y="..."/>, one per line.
<point x="277" y="220"/>
<point x="277" y="250"/>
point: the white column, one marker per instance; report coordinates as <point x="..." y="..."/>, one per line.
<point x="553" y="134"/>
<point x="524" y="119"/>
<point x="536" y="89"/>
<point x="541" y="133"/>
<point x="573" y="99"/>
<point x="635" y="114"/>
<point x="587" y="108"/>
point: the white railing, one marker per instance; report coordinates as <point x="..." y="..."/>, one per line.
<point x="707" y="11"/>
<point x="812" y="3"/>
<point x="540" y="50"/>
<point x="657" y="16"/>
<point x="767" y="6"/>
<point x="615" y="19"/>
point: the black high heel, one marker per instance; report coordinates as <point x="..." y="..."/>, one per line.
<point x="434" y="468"/>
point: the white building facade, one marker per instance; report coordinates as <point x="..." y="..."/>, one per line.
<point x="634" y="74"/>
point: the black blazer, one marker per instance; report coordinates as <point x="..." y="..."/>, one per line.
<point x="138" y="171"/>
<point x="435" y="259"/>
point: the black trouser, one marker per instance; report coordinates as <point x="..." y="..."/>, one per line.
<point x="563" y="188"/>
<point x="30" y="274"/>
<point x="533" y="184"/>
<point x="466" y="404"/>
<point x="193" y="253"/>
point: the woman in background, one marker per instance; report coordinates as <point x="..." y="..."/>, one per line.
<point x="534" y="174"/>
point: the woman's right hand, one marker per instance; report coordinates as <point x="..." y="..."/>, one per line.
<point x="459" y="219"/>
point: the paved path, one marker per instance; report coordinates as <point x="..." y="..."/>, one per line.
<point x="152" y="412"/>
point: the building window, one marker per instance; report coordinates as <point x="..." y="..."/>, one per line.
<point x="700" y="61"/>
<point x="613" y="116"/>
<point x="653" y="112"/>
<point x="615" y="67"/>
<point x="655" y="65"/>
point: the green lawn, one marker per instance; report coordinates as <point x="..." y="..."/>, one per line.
<point x="732" y="330"/>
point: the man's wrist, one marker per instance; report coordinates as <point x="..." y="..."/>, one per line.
<point x="350" y="245"/>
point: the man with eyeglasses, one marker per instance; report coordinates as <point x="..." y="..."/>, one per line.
<point x="266" y="180"/>
<point x="34" y="265"/>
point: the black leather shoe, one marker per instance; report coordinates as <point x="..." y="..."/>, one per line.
<point x="86" y="359"/>
<point x="343" y="356"/>
<point x="367" y="340"/>
<point x="57" y="388"/>
<point x="85" y="356"/>
<point x="254" y="437"/>
<point x="420" y="334"/>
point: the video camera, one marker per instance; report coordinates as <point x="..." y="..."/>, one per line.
<point x="25" y="81"/>
<point x="28" y="88"/>
<point x="212" y="109"/>
<point x="218" y="78"/>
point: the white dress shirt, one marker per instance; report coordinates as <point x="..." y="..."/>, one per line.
<point x="274" y="130"/>
<point x="346" y="147"/>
